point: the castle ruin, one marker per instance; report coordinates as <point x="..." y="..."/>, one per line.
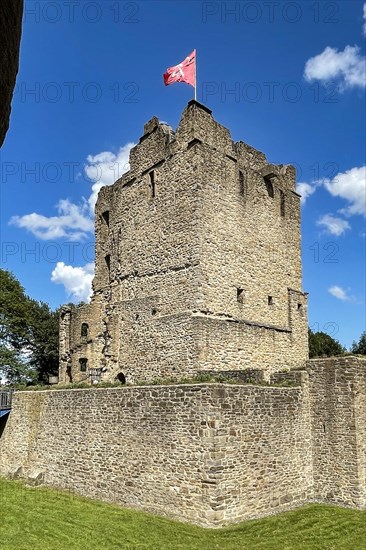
<point x="198" y="269"/>
<point x="198" y="263"/>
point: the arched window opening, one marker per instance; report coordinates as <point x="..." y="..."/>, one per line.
<point x="269" y="187"/>
<point x="121" y="378"/>
<point x="84" y="330"/>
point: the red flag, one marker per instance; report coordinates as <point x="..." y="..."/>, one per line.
<point x="184" y="72"/>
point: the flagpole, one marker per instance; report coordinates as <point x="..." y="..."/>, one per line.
<point x="195" y="77"/>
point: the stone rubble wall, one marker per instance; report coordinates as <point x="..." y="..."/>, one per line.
<point x="338" y="405"/>
<point x="202" y="453"/>
<point x="210" y="454"/>
<point x="179" y="236"/>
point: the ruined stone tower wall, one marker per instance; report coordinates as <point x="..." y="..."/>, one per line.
<point x="76" y="344"/>
<point x="197" y="260"/>
<point x="152" y="240"/>
<point x="250" y="255"/>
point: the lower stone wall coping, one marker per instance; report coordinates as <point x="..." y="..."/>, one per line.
<point x="156" y="387"/>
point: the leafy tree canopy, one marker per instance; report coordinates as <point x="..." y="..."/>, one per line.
<point x="28" y="334"/>
<point x="360" y="346"/>
<point x="321" y="344"/>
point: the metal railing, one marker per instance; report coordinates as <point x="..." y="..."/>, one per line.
<point x="5" y="399"/>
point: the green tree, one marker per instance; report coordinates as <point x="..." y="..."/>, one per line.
<point x="13" y="311"/>
<point x="13" y="329"/>
<point x="43" y="341"/>
<point x="360" y="346"/>
<point x="321" y="344"/>
<point x="28" y="334"/>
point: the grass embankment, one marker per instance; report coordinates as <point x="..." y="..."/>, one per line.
<point x="199" y="379"/>
<point x="46" y="519"/>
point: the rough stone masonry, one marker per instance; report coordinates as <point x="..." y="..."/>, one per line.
<point x="211" y="454"/>
<point x="197" y="269"/>
<point x="198" y="262"/>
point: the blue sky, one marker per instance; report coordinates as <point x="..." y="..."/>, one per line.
<point x="286" y="77"/>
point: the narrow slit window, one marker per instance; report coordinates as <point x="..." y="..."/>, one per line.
<point x="282" y="203"/>
<point x="84" y="330"/>
<point x="240" y="295"/>
<point x="270" y="300"/>
<point x="83" y="362"/>
<point x="108" y="262"/>
<point x="269" y="187"/>
<point x="241" y="183"/>
<point x="105" y="216"/>
<point x="152" y="183"/>
<point x="299" y="307"/>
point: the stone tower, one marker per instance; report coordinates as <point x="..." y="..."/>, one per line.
<point x="198" y="263"/>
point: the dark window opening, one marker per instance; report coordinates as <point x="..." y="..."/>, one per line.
<point x="282" y="203"/>
<point x="121" y="378"/>
<point x="154" y="311"/>
<point x="269" y="187"/>
<point x="152" y="183"/>
<point x="83" y="362"/>
<point x="108" y="261"/>
<point x="299" y="307"/>
<point x="241" y="183"/>
<point x="270" y="300"/>
<point x="105" y="216"/>
<point x="240" y="295"/>
<point x="84" y="330"/>
<point x="193" y="142"/>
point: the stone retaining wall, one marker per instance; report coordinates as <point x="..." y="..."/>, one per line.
<point x="210" y="454"/>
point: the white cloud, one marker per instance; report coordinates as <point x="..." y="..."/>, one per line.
<point x="76" y="280"/>
<point x="105" y="168"/>
<point x="340" y="293"/>
<point x="72" y="222"/>
<point x="351" y="186"/>
<point x="333" y="225"/>
<point x="75" y="221"/>
<point x="305" y="190"/>
<point x="347" y="66"/>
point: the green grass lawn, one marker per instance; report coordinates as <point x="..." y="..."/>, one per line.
<point x="46" y="519"/>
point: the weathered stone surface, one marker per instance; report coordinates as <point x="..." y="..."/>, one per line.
<point x="338" y="404"/>
<point x="198" y="263"/>
<point x="11" y="12"/>
<point x="208" y="454"/>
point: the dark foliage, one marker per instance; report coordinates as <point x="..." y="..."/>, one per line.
<point x="28" y="335"/>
